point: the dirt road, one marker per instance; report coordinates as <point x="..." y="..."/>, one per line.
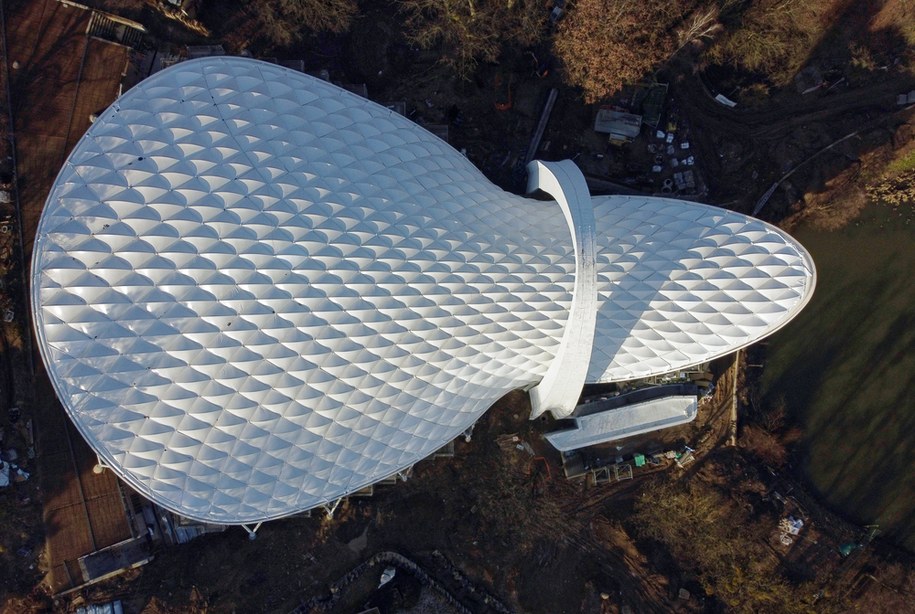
<point x="745" y="149"/>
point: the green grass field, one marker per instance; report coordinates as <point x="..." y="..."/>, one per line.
<point x="846" y="369"/>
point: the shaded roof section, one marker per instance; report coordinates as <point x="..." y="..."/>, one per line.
<point x="256" y="292"/>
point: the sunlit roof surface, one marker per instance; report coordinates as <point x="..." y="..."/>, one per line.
<point x="255" y="292"/>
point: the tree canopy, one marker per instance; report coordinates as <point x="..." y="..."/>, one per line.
<point x="284" y="22"/>
<point x="772" y="37"/>
<point x="605" y="44"/>
<point x="468" y="31"/>
<point x="705" y="531"/>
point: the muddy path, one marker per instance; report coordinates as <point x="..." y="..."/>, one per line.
<point x="747" y="148"/>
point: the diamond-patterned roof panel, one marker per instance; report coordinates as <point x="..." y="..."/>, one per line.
<point x="256" y="292"/>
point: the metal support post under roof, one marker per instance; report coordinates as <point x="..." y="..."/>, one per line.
<point x="252" y="533"/>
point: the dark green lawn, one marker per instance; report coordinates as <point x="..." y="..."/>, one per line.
<point x="846" y="368"/>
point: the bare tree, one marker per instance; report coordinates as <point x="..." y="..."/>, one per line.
<point x="283" y="22"/>
<point x="700" y="24"/>
<point x="468" y="31"/>
<point x="712" y="534"/>
<point x="605" y="44"/>
<point x="769" y="36"/>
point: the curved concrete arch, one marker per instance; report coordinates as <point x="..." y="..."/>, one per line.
<point x="560" y="388"/>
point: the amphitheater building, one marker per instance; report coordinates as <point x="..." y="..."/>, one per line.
<point x="256" y="293"/>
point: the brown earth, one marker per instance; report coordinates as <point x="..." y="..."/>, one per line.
<point x="58" y="76"/>
<point x="503" y="528"/>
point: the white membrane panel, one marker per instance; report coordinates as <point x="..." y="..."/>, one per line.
<point x="255" y="292"/>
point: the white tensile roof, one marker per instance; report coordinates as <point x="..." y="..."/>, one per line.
<point x="256" y="293"/>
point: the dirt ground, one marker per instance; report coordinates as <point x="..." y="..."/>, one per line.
<point x="58" y="76"/>
<point x="507" y="533"/>
<point x="536" y="545"/>
<point x="63" y="76"/>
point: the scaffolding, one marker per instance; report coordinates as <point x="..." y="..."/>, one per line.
<point x="618" y="472"/>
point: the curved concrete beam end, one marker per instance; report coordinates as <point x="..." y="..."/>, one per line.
<point x="560" y="388"/>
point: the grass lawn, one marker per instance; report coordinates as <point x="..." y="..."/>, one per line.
<point x="846" y="369"/>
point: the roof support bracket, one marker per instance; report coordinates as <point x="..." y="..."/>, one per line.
<point x="332" y="506"/>
<point x="252" y="532"/>
<point x="100" y="465"/>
